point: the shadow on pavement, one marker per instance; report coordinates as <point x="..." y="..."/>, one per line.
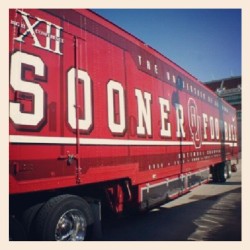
<point x="215" y="218"/>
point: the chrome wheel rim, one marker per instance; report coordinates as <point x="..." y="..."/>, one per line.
<point x="72" y="226"/>
<point x="225" y="171"/>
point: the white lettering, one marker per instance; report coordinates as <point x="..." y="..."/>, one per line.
<point x="144" y="112"/>
<point x="86" y="123"/>
<point x="168" y="75"/>
<point x="193" y="116"/>
<point x="139" y="58"/>
<point x="225" y="131"/>
<point x="156" y="69"/>
<point x="232" y="131"/>
<point x="180" y="121"/>
<point x="16" y="114"/>
<point x="204" y="125"/>
<point x="217" y="129"/>
<point x="148" y="65"/>
<point x="115" y="126"/>
<point x="165" y="125"/>
<point x="211" y="119"/>
<point x="30" y="30"/>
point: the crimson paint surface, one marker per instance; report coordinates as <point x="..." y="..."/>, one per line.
<point x="140" y="116"/>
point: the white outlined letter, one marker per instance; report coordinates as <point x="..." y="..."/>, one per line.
<point x="86" y="123"/>
<point x="17" y="116"/>
<point x="114" y="87"/>
<point x="165" y="125"/>
<point x="144" y="112"/>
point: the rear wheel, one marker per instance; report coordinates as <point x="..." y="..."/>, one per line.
<point x="16" y="230"/>
<point x="229" y="169"/>
<point x="214" y="171"/>
<point x="221" y="172"/>
<point x="64" y="218"/>
<point x="28" y="219"/>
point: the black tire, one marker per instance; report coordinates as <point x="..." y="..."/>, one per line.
<point x="28" y="219"/>
<point x="214" y="171"/>
<point x="64" y="218"/>
<point x="16" y="230"/>
<point x="222" y="172"/>
<point x="229" y="169"/>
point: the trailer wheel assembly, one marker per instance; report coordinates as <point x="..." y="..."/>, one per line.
<point x="224" y="171"/>
<point x="214" y="171"/>
<point x="64" y="218"/>
<point x="229" y="169"/>
<point x="16" y="230"/>
<point x="221" y="172"/>
<point x="28" y="218"/>
<point x="102" y="138"/>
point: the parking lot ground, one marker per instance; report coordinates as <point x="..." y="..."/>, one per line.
<point x="210" y="212"/>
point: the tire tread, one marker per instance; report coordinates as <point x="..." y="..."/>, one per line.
<point x="46" y="213"/>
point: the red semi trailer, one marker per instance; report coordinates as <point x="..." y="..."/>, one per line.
<point x="98" y="118"/>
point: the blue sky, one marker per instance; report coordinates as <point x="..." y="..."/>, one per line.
<point x="205" y="42"/>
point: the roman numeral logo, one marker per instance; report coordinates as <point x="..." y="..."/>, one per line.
<point x="31" y="30"/>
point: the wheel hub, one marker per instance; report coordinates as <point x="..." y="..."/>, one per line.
<point x="72" y="226"/>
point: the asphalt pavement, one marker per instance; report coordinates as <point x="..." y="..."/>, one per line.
<point x="210" y="212"/>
